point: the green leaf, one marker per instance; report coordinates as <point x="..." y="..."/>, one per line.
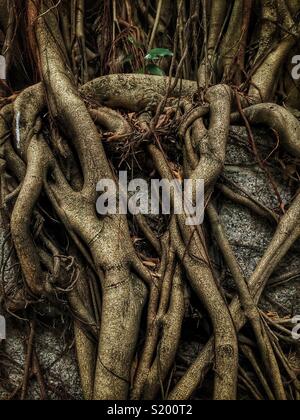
<point x="158" y="53"/>
<point x="154" y="70"/>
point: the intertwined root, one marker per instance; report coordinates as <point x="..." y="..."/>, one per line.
<point x="123" y="295"/>
<point x="55" y="143"/>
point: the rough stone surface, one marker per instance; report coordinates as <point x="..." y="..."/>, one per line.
<point x="57" y="360"/>
<point x="250" y="235"/>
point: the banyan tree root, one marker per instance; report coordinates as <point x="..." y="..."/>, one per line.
<point x="59" y="137"/>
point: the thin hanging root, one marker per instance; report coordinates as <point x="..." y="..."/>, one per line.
<point x="65" y="23"/>
<point x="28" y="361"/>
<point x="37" y="370"/>
<point x="208" y="66"/>
<point x="248" y="305"/>
<point x="83" y="305"/>
<point x="80" y="34"/>
<point x="247" y="381"/>
<point x="287" y="233"/>
<point x="269" y="15"/>
<point x="247" y="9"/>
<point x="285" y="236"/>
<point x="150" y="344"/>
<point x="250" y="203"/>
<point x="251" y="357"/>
<point x="86" y="330"/>
<point x="32" y="13"/>
<point x="156" y="24"/>
<point x="158" y="300"/>
<point x="203" y="282"/>
<point x="277" y="118"/>
<point x="230" y="45"/>
<point x="262" y="82"/>
<point x="286" y="365"/>
<point x="10" y="33"/>
<point x="168" y="345"/>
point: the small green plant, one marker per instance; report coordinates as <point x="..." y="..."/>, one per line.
<point x="154" y="56"/>
<point x="152" y="59"/>
<point x="158" y="53"/>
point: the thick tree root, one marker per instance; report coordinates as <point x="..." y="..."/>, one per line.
<point x="61" y="136"/>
